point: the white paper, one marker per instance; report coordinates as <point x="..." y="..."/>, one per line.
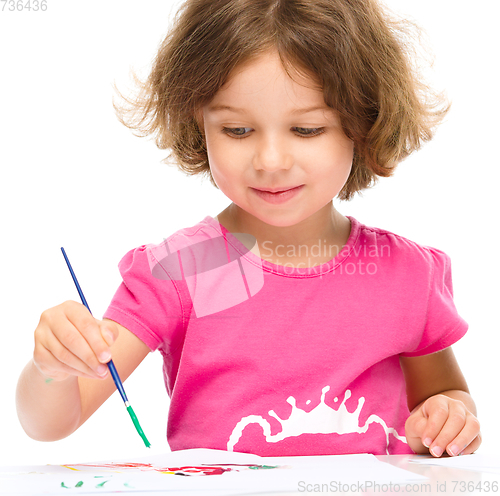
<point x="478" y="462"/>
<point x="294" y="474"/>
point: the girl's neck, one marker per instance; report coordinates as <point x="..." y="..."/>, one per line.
<point x="314" y="241"/>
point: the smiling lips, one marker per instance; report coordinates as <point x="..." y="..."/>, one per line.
<point x="280" y="195"/>
<point x="277" y="190"/>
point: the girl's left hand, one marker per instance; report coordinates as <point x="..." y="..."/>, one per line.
<point x="442" y="424"/>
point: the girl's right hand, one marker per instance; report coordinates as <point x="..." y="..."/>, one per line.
<point x="69" y="341"/>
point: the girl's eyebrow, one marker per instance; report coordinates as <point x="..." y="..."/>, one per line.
<point x="220" y="108"/>
<point x="299" y="111"/>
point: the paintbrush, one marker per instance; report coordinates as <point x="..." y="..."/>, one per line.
<point x="111" y="365"/>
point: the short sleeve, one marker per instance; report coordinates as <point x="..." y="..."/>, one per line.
<point x="148" y="307"/>
<point x="443" y="325"/>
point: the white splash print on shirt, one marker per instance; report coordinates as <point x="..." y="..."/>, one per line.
<point x="320" y="420"/>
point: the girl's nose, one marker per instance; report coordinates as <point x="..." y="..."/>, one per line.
<point x="272" y="154"/>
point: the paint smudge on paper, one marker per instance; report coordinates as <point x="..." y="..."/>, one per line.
<point x="212" y="469"/>
<point x="78" y="484"/>
<point x="257" y="467"/>
<point x="102" y="484"/>
<point x="188" y="470"/>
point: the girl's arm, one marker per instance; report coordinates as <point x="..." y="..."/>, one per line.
<point x="443" y="414"/>
<point x="60" y="387"/>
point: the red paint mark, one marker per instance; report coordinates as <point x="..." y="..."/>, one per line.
<point x="186" y="470"/>
<point x="205" y="470"/>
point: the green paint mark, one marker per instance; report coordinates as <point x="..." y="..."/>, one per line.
<point x="258" y="467"/>
<point x="126" y="484"/>
<point x="101" y="484"/>
<point x="79" y="484"/>
<point x="138" y="426"/>
<point x="98" y="476"/>
<point x="48" y="380"/>
<point x="64" y="485"/>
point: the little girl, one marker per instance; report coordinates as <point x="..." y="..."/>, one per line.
<point x="286" y="328"/>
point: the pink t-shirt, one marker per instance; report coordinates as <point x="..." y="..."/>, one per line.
<point x="280" y="361"/>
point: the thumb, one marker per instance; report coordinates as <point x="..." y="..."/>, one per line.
<point x="109" y="331"/>
<point x="416" y="422"/>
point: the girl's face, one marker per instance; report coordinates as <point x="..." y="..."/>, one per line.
<point x="264" y="131"/>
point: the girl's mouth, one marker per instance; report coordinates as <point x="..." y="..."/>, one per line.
<point x="279" y="196"/>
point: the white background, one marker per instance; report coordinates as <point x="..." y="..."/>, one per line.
<point x="73" y="176"/>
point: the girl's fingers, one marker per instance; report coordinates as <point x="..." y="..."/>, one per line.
<point x="465" y="437"/>
<point x="53" y="368"/>
<point x="436" y="411"/>
<point x="75" y="339"/>
<point x="416" y="424"/>
<point x="89" y="328"/>
<point x="68" y="345"/>
<point x="455" y="423"/>
<point x="67" y="357"/>
<point x="473" y="446"/>
<point x="444" y="424"/>
<point x="82" y="336"/>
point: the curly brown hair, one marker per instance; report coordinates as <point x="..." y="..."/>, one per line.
<point x="353" y="48"/>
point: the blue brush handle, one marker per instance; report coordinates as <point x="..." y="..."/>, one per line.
<point x="111" y="365"/>
<point x="117" y="381"/>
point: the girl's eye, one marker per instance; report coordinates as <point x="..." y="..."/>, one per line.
<point x="303" y="132"/>
<point x="306" y="132"/>
<point x="235" y="131"/>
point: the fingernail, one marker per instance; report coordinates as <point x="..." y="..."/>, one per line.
<point x="454" y="450"/>
<point x="109" y="337"/>
<point x="102" y="370"/>
<point x="105" y="356"/>
<point x="427" y="442"/>
<point x="437" y="451"/>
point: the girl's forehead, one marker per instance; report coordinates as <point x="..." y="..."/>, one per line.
<point x="267" y="73"/>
